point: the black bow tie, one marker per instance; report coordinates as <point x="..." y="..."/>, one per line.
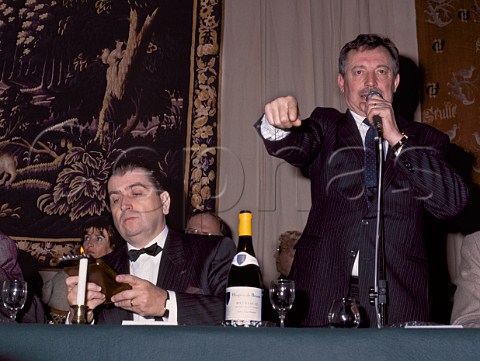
<point x="153" y="250"/>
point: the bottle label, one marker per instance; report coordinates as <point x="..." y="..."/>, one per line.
<point x="243" y="304"/>
<point x="244" y="259"/>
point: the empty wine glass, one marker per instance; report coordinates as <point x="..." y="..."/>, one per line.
<point x="14" y="295"/>
<point x="282" y="295"/>
<point x="344" y="313"/>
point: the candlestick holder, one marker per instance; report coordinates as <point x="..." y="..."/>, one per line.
<point x="79" y="314"/>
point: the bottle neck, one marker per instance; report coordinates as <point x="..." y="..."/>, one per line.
<point x="245" y="224"/>
<point x="245" y="244"/>
<point x="245" y="233"/>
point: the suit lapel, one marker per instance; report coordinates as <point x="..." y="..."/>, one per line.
<point x="118" y="260"/>
<point x="346" y="159"/>
<point x="349" y="136"/>
<point x="350" y="142"/>
<point x="172" y="273"/>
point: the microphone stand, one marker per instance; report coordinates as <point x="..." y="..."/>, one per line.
<point x="378" y="294"/>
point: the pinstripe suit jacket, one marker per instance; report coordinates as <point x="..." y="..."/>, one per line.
<point x="195" y="267"/>
<point x="340" y="224"/>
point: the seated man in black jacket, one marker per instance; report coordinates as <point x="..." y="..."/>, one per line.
<point x="175" y="278"/>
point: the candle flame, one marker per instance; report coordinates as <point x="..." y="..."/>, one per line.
<point x="82" y="250"/>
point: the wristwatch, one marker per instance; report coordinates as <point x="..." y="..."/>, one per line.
<point x="400" y="143"/>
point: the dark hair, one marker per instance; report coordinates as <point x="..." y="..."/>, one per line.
<point x="130" y="161"/>
<point x="104" y="224"/>
<point x="369" y="42"/>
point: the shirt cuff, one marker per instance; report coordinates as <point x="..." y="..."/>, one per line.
<point x="269" y="132"/>
<point x="171" y="307"/>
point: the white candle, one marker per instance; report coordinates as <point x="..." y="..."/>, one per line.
<point x="82" y="281"/>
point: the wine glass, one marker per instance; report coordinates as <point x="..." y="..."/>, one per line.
<point x="282" y="295"/>
<point x="344" y="313"/>
<point x="14" y="295"/>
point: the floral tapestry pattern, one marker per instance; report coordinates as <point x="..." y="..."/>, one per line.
<point x="81" y="82"/>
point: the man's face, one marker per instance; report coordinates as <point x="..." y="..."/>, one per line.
<point x="138" y="210"/>
<point x="366" y="70"/>
<point x="96" y="242"/>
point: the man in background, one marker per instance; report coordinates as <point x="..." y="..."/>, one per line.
<point x="207" y="224"/>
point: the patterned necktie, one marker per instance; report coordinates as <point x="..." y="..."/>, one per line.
<point x="371" y="180"/>
<point x="152" y="250"/>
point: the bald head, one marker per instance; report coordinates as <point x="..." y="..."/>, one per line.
<point x="206" y="224"/>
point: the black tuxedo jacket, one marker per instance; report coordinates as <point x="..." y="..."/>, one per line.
<point x="195" y="267"/>
<point x="340" y="224"/>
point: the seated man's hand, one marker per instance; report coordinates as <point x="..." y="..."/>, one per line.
<point x="144" y="298"/>
<point x="94" y="296"/>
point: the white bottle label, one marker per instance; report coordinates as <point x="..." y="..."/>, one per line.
<point x="243" y="259"/>
<point x="244" y="304"/>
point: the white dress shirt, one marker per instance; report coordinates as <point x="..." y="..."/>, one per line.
<point x="146" y="267"/>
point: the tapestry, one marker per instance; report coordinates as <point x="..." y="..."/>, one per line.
<point x="83" y="81"/>
<point x="448" y="33"/>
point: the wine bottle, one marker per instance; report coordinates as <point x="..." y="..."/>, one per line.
<point x="245" y="284"/>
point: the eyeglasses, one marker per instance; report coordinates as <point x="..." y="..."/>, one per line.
<point x="196" y="231"/>
<point x="279" y="250"/>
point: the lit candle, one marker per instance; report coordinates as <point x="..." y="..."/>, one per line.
<point x="82" y="281"/>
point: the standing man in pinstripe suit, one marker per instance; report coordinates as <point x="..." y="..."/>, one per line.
<point x="339" y="237"/>
<point x="175" y="278"/>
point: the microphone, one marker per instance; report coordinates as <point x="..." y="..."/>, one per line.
<point x="377" y="119"/>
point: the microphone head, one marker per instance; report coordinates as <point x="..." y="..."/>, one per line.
<point x="372" y="93"/>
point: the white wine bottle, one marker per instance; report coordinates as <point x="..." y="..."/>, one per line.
<point x="245" y="284"/>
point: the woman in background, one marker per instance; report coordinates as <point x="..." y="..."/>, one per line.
<point x="285" y="252"/>
<point x="99" y="239"/>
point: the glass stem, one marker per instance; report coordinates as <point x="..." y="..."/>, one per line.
<point x="282" y="319"/>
